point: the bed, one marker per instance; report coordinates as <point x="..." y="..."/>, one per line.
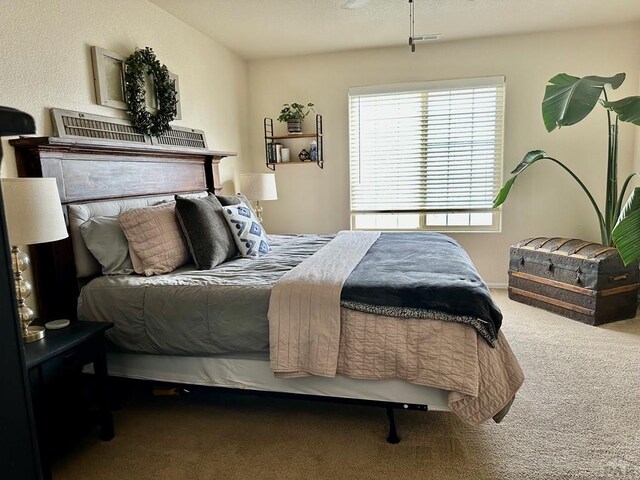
<point x="234" y="349"/>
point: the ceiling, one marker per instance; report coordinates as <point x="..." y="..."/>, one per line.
<point x="274" y="28"/>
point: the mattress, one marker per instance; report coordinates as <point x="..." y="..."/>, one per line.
<point x="196" y="312"/>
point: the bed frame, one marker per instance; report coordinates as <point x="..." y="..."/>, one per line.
<point x="90" y="170"/>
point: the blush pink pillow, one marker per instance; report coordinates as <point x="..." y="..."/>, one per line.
<point x="155" y="240"/>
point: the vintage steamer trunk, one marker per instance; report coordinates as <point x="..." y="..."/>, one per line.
<point x="581" y="280"/>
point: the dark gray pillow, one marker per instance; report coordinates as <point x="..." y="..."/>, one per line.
<point x="205" y="230"/>
<point x="237" y="199"/>
<point x="106" y="241"/>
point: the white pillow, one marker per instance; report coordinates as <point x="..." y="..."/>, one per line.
<point x="247" y="231"/>
<point x="106" y="241"/>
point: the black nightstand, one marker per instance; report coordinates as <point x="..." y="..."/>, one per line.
<point x="59" y="357"/>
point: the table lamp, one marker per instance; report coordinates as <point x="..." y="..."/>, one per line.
<point x="257" y="187"/>
<point x="34" y="215"/>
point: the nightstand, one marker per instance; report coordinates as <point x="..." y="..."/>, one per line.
<point x="55" y="362"/>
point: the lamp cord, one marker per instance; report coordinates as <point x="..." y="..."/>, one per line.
<point x="16" y="273"/>
<point x="17" y="278"/>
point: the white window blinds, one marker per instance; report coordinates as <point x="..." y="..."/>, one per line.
<point x="432" y="148"/>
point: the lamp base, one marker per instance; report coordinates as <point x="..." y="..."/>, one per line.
<point x="32" y="334"/>
<point x="258" y="210"/>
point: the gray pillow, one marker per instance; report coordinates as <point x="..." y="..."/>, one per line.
<point x="237" y="199"/>
<point x="205" y="230"/>
<point x="105" y="239"/>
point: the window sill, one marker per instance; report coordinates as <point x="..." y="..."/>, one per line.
<point x="434" y="230"/>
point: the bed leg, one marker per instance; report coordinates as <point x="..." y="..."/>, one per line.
<point x="393" y="437"/>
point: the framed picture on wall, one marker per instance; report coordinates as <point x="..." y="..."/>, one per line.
<point x="178" y="103"/>
<point x="108" y="78"/>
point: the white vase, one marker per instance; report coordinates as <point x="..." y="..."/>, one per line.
<point x="285" y="155"/>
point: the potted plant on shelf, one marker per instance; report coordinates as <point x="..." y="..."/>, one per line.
<point x="293" y="114"/>
<point x="568" y="100"/>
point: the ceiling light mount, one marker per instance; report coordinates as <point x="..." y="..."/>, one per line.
<point x="413" y="38"/>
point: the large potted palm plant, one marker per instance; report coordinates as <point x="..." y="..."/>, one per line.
<point x="568" y="100"/>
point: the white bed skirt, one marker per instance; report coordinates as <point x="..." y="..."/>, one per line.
<point x="254" y="373"/>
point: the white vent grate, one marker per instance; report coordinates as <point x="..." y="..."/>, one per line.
<point x="68" y="123"/>
<point x="84" y="127"/>
<point x="182" y="137"/>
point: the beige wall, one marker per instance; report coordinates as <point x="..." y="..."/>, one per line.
<point x="544" y="201"/>
<point x="46" y="62"/>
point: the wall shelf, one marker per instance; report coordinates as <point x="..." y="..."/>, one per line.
<point x="294" y="136"/>
<point x="270" y="141"/>
<point x="297" y="162"/>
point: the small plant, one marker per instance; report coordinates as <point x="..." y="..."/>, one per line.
<point x="295" y="111"/>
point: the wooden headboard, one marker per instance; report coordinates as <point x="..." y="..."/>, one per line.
<point x="97" y="170"/>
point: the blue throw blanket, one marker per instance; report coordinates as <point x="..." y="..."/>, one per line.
<point x="422" y="275"/>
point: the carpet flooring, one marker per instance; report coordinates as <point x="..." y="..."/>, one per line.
<point x="576" y="417"/>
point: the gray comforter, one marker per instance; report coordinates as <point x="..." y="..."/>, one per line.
<point x="196" y="312"/>
<point x="224" y="310"/>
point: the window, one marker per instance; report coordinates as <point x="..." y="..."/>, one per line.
<point x="426" y="156"/>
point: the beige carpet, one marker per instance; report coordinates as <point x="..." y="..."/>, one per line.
<point x="576" y="417"/>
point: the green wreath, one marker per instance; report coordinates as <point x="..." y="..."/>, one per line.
<point x="140" y="64"/>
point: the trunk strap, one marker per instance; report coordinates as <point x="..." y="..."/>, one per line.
<point x="561" y="244"/>
<point x="600" y="251"/>
<point x="579" y="247"/>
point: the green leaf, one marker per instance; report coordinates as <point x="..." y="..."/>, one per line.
<point x="504" y="192"/>
<point x="626" y="234"/>
<point x="530" y="158"/>
<point x="628" y="109"/>
<point x="569" y="99"/>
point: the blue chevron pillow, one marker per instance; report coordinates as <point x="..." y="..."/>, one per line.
<point x="247" y="231"/>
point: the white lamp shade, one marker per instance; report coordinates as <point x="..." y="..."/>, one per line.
<point x="33" y="211"/>
<point x="259" y="186"/>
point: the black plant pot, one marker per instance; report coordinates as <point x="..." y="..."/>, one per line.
<point x="294" y="126"/>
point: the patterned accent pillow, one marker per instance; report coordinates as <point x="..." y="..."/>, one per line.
<point x="249" y="235"/>
<point x="154" y="238"/>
